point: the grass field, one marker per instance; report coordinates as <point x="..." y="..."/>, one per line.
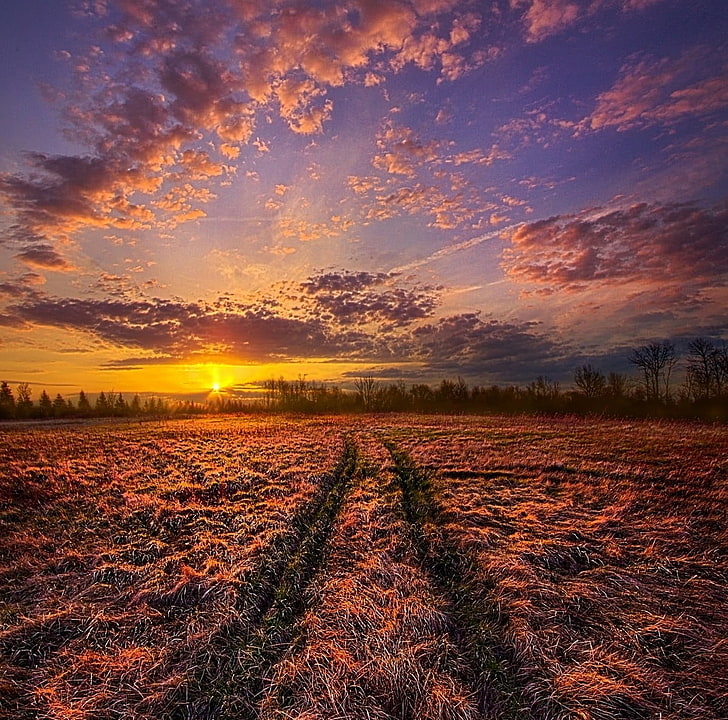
<point x="370" y="567"/>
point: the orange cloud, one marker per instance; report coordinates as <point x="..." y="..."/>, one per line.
<point x="662" y="92"/>
<point x="543" y="18"/>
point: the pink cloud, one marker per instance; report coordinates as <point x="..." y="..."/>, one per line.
<point x="663" y="92"/>
<point x="547" y="17"/>
<point x="657" y="245"/>
<point x="543" y="18"/>
<point x="190" y="86"/>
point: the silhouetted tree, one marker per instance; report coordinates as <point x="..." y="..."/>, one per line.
<point x="102" y="406"/>
<point x="367" y="390"/>
<point x="656" y="361"/>
<point x="422" y="396"/>
<point x="60" y="409"/>
<point x="84" y="406"/>
<point x="120" y="406"/>
<point x="7" y="401"/>
<point x="617" y="385"/>
<point x="45" y="405"/>
<point x="543" y="395"/>
<point x="590" y="381"/>
<point x="706" y="377"/>
<point x="24" y="403"/>
<point x="452" y="395"/>
<point x="135" y="408"/>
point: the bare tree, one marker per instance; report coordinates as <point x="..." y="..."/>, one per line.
<point x="24" y="405"/>
<point x="657" y="361"/>
<point x="367" y="388"/>
<point x="707" y="371"/>
<point x="590" y="381"/>
<point x="617" y="385"/>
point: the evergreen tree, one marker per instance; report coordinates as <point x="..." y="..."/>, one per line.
<point x="84" y="406"/>
<point x="120" y="406"/>
<point x="7" y="402"/>
<point x="102" y="404"/>
<point x="135" y="408"/>
<point x="60" y="409"/>
<point x="45" y="405"/>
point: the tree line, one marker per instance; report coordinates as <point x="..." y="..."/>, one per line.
<point x="703" y="393"/>
<point x="652" y="392"/>
<point x="20" y="406"/>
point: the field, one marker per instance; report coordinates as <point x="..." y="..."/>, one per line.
<point x="364" y="567"/>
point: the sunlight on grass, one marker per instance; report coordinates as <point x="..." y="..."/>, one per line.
<point x="284" y="567"/>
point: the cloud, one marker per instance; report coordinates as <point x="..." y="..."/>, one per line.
<point x="466" y="344"/>
<point x="664" y="91"/>
<point x="649" y="244"/>
<point x="22" y="286"/>
<point x="547" y="17"/>
<point x="333" y="314"/>
<point x="365" y="298"/>
<point x="183" y="84"/>
<point x="447" y="196"/>
<point x="44" y="257"/>
<point x="401" y="151"/>
<point x="544" y="18"/>
<point x="185" y="330"/>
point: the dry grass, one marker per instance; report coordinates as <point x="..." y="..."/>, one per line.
<point x="257" y="568"/>
<point x="377" y="640"/>
<point x="605" y="547"/>
<point x="130" y="554"/>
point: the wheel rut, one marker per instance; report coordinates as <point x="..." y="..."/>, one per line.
<point x="478" y="625"/>
<point x="240" y="657"/>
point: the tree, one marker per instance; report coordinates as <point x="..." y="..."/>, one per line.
<point x="707" y="370"/>
<point x="24" y="404"/>
<point x="656" y="361"/>
<point x="103" y="406"/>
<point x="452" y="394"/>
<point x="542" y="388"/>
<point x="590" y="381"/>
<point x="120" y="406"/>
<point x="367" y="390"/>
<point x="7" y="401"/>
<point x="60" y="409"/>
<point x="84" y="406"/>
<point x="422" y="396"/>
<point x="617" y="385"/>
<point x="45" y="405"/>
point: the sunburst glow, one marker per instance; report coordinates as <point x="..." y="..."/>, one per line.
<point x="413" y="189"/>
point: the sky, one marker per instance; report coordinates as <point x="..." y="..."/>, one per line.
<point x="217" y="192"/>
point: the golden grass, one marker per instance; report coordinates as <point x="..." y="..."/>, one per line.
<point x="605" y="547"/>
<point x="297" y="568"/>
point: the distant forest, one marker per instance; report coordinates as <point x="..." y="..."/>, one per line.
<point x="654" y="391"/>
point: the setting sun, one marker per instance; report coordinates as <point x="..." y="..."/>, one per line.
<point x="413" y="190"/>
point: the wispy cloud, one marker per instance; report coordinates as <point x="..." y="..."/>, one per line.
<point x="651" y="91"/>
<point x="543" y="18"/>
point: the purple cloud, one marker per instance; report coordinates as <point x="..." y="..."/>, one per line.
<point x="651" y="244"/>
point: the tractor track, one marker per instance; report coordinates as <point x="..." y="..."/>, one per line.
<point x="239" y="659"/>
<point x="477" y="623"/>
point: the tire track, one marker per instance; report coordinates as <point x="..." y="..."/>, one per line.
<point x="239" y="659"/>
<point x="478" y="624"/>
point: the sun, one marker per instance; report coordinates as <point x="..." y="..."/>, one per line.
<point x="216" y="387"/>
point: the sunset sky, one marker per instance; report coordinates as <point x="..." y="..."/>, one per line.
<point x="199" y="192"/>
